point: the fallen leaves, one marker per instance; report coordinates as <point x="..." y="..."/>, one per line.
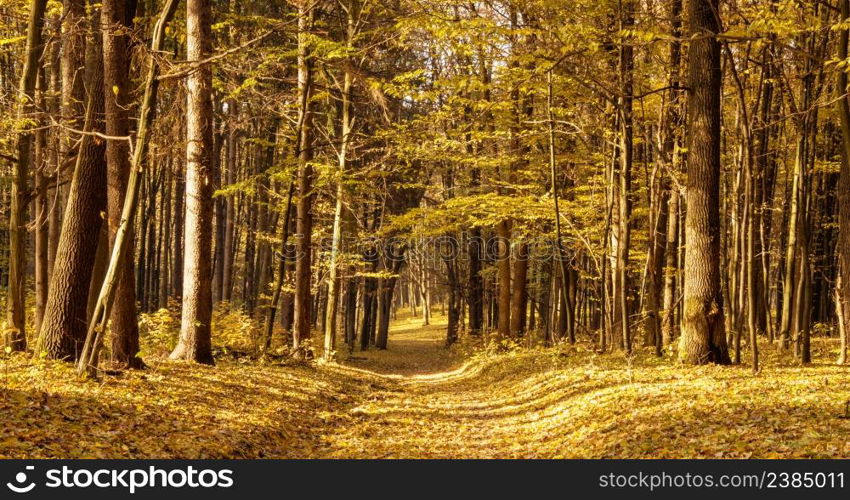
<point x="420" y="400"/>
<point x="173" y="410"/>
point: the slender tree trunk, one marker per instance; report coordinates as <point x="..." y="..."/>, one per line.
<point x="177" y="235"/>
<point x="230" y="205"/>
<point x="42" y="207"/>
<point x="15" y="336"/>
<point x="625" y="178"/>
<point x="165" y="230"/>
<point x="342" y="158"/>
<point x="116" y="19"/>
<point x="791" y="256"/>
<point x="281" y="272"/>
<point x="54" y="209"/>
<point x="304" y="207"/>
<point x="560" y="258"/>
<point x="843" y="286"/>
<point x="385" y="298"/>
<point x="220" y="207"/>
<point x="503" y="266"/>
<point x="101" y="260"/>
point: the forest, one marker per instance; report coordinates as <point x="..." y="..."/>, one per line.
<point x="424" y="229"/>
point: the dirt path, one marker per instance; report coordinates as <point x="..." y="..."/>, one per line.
<point x="417" y="399"/>
<point x="412" y="350"/>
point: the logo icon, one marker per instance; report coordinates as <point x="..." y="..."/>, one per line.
<point x="21" y="478"/>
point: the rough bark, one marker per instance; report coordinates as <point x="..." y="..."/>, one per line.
<point x="703" y="338"/>
<point x="63" y="328"/>
<point x="116" y="19"/>
<point x="195" y="342"/>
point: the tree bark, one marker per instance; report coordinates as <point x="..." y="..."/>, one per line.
<point x="63" y="329"/>
<point x="342" y="162"/>
<point x="41" y="208"/>
<point x="304" y="207"/>
<point x="117" y="18"/>
<point x="703" y="338"/>
<point x="15" y="338"/>
<point x="195" y="343"/>
<point x="843" y="287"/>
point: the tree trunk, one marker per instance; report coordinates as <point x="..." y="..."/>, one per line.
<point x="519" y="301"/>
<point x="117" y="18"/>
<point x="342" y="159"/>
<point x="503" y="266"/>
<point x="304" y="207"/>
<point x="703" y="338"/>
<point x="195" y="342"/>
<point x="230" y="205"/>
<point x="15" y="337"/>
<point x="843" y="287"/>
<point x="177" y="234"/>
<point x="42" y="208"/>
<point x="63" y="329"/>
<point x="625" y="177"/>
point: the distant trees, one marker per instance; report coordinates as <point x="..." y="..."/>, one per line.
<point x="533" y="171"/>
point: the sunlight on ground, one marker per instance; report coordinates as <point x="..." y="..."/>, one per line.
<point x="413" y="350"/>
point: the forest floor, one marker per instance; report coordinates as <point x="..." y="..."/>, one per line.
<point x="420" y="400"/>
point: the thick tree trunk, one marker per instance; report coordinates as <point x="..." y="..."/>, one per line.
<point x="121" y="249"/>
<point x="63" y="329"/>
<point x="195" y="343"/>
<point x="625" y="178"/>
<point x="72" y="110"/>
<point x="703" y="338"/>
